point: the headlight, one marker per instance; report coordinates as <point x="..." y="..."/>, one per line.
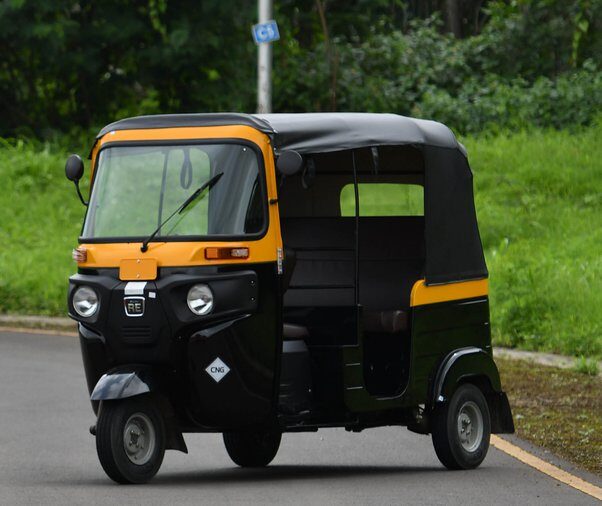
<point x="85" y="301"/>
<point x="200" y="299"/>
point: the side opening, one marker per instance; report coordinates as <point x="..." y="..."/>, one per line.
<point x="322" y="288"/>
<point x="391" y="257"/>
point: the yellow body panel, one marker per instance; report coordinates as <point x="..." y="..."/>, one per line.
<point x="132" y="269"/>
<point x="176" y="254"/>
<point x="423" y="294"/>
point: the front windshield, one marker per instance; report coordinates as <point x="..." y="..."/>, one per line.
<point x="137" y="187"/>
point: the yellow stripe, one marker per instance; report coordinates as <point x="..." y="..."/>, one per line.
<point x="423" y="294"/>
<point x="546" y="468"/>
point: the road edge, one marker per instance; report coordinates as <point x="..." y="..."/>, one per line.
<point x="548" y="468"/>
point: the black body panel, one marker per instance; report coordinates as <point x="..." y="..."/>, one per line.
<point x="437" y="330"/>
<point x="296" y="379"/>
<point x="242" y="329"/>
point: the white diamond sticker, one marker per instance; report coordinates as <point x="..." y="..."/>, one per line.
<point x="217" y="369"/>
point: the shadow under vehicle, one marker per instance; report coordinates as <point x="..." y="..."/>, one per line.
<point x="259" y="274"/>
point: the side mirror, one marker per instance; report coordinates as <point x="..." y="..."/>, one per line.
<point x="289" y="163"/>
<point x="74" y="170"/>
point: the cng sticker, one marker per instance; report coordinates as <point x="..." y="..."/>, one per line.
<point x="217" y="369"/>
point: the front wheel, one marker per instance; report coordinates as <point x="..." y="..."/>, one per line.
<point x="461" y="429"/>
<point x="130" y="439"/>
<point x="252" y="449"/>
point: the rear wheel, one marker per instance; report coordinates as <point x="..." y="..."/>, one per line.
<point x="252" y="449"/>
<point x="461" y="429"/>
<point x="130" y="439"/>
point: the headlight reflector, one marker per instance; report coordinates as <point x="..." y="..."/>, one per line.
<point x="85" y="301"/>
<point x="200" y="299"/>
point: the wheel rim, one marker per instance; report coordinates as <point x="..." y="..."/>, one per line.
<point x="470" y="426"/>
<point x="139" y="438"/>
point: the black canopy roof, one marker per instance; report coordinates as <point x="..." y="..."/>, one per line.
<point x="312" y="132"/>
<point x="453" y="244"/>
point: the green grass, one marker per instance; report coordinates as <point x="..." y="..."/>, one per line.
<point x="40" y="220"/>
<point x="587" y="366"/>
<point x="539" y="203"/>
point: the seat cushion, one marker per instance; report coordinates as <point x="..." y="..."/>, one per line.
<point x="385" y="322"/>
<point x="292" y="332"/>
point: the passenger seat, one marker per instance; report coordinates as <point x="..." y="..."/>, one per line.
<point x="385" y="322"/>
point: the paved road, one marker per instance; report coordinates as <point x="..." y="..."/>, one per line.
<point x="48" y="457"/>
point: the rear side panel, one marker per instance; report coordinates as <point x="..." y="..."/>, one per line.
<point x="440" y="328"/>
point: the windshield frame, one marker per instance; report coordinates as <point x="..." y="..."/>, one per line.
<point x="185" y="238"/>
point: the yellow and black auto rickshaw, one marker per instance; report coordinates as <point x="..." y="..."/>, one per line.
<point x="260" y="274"/>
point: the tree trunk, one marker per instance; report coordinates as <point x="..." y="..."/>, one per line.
<point x="453" y="17"/>
<point x="331" y="55"/>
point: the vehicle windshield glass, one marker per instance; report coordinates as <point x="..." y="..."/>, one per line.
<point x="136" y="188"/>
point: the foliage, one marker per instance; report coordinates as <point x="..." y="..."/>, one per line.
<point x="491" y="105"/>
<point x="69" y="65"/>
<point x="433" y="75"/>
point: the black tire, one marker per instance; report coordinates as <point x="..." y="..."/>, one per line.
<point x="452" y="427"/>
<point x="118" y="462"/>
<point x="252" y="449"/>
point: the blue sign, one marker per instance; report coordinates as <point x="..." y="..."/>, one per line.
<point x="265" y="32"/>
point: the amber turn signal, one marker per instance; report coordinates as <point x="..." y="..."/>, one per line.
<point x="224" y="253"/>
<point x="80" y="255"/>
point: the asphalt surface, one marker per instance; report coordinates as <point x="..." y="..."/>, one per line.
<point x="48" y="457"/>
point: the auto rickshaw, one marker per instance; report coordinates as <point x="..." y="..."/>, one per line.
<point x="253" y="275"/>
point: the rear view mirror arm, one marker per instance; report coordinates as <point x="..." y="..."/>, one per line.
<point x="79" y="193"/>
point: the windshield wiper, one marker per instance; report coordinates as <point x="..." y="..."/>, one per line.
<point x="205" y="186"/>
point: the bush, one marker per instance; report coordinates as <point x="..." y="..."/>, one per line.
<point x="73" y="65"/>
<point x="429" y="74"/>
<point x="493" y="105"/>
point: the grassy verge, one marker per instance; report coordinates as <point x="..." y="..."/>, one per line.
<point x="539" y="202"/>
<point x="557" y="409"/>
<point x="40" y="220"/>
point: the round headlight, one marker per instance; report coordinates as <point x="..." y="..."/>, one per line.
<point x="85" y="301"/>
<point x="200" y="299"/>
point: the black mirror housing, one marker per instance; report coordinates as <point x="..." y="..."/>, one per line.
<point x="289" y="163"/>
<point x="74" y="168"/>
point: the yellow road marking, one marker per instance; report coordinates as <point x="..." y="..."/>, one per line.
<point x="38" y="331"/>
<point x="546" y="468"/>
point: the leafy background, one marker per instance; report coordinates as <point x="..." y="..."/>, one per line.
<point x="474" y="64"/>
<point x="519" y="81"/>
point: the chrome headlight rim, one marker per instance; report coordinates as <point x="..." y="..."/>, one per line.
<point x="200" y="299"/>
<point x="85" y="301"/>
